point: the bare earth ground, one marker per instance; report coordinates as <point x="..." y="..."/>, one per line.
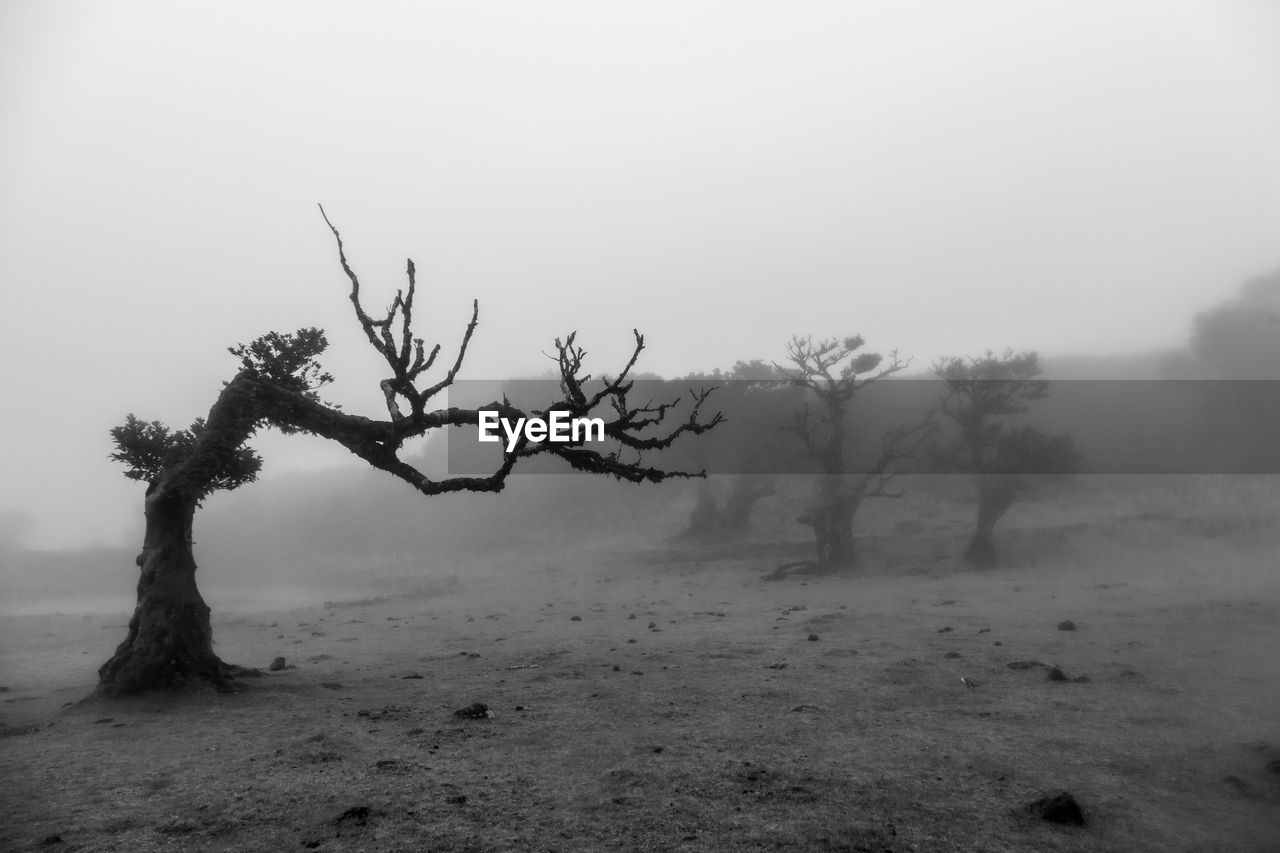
<point x="671" y="700"/>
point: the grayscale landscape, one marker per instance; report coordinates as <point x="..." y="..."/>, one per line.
<point x="934" y="355"/>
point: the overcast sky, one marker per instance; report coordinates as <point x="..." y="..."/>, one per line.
<point x="942" y="177"/>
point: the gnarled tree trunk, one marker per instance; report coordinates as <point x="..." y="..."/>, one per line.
<point x="995" y="495"/>
<point x="748" y="490"/>
<point x="170" y="641"/>
<point x="832" y="524"/>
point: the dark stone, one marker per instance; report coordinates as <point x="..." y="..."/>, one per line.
<point x="358" y="814"/>
<point x="952" y="655"/>
<point x="277" y="665"/>
<point x="1236" y="784"/>
<point x="813" y="638"/>
<point x="575" y="618"/>
<point x="1056" y="674"/>
<point x="50" y="840"/>
<point x="1273" y="766"/>
<point x="1058" y="808"/>
<point x="476" y="711"/>
<point x="1066" y="625"/>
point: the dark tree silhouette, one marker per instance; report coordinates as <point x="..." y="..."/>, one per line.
<point x="1004" y="461"/>
<point x="170" y="642"/>
<point x="835" y="372"/>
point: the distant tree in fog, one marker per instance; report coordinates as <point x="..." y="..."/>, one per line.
<point x="170" y="641"/>
<point x="835" y="372"/>
<point x="1239" y="341"/>
<point x="756" y="400"/>
<point x="1004" y="460"/>
<point x="1240" y="338"/>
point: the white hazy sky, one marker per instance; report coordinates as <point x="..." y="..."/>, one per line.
<point x="942" y="177"/>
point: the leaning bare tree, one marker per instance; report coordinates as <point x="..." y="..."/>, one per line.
<point x="1003" y="460"/>
<point x="835" y="372"/>
<point x="170" y="641"/>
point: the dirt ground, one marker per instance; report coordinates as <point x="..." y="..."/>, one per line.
<point x="670" y="699"/>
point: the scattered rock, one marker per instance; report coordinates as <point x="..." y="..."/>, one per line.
<point x="277" y="665"/>
<point x="984" y="630"/>
<point x="946" y="630"/>
<point x="953" y="655"/>
<point x="359" y="815"/>
<point x="386" y="712"/>
<point x="50" y="840"/>
<point x="105" y="720"/>
<point x="1081" y="679"/>
<point x="1066" y="625"/>
<point x="1027" y="664"/>
<point x="1273" y="767"/>
<point x="1059" y="808"/>
<point x="1236" y="784"/>
<point x="457" y="800"/>
<point x="805" y="709"/>
<point x="476" y="711"/>
<point x="813" y="638"/>
<point x="617" y="668"/>
<point x="632" y="616"/>
<point x="409" y="676"/>
<point x="1056" y="674"/>
<point x="331" y="685"/>
<point x="575" y="618"/>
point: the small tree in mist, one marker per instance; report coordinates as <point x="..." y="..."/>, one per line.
<point x="756" y="401"/>
<point x="835" y="372"/>
<point x="169" y="641"/>
<point x="1238" y="341"/>
<point x="1003" y="460"/>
